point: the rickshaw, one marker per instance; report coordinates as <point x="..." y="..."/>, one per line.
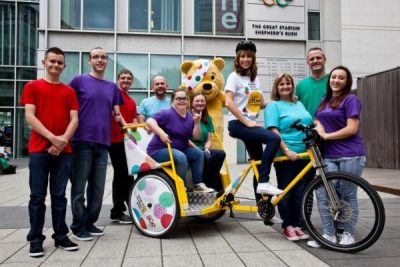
<point x="159" y="199"/>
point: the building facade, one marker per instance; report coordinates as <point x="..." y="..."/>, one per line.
<point x="152" y="37"/>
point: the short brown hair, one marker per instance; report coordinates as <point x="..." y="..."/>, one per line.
<point x="275" y="95"/>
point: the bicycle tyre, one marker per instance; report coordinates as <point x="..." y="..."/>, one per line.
<point x="153" y="204"/>
<point x="369" y="216"/>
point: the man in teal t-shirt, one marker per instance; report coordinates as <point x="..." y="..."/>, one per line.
<point x="311" y="89"/>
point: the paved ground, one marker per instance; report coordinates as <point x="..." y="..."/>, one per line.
<point x="242" y="241"/>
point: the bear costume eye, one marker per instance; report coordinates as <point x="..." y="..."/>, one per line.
<point x="212" y="77"/>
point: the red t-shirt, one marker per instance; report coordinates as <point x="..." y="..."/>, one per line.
<point x="53" y="102"/>
<point x="128" y="111"/>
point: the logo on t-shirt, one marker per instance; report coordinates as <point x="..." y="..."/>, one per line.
<point x="254" y="103"/>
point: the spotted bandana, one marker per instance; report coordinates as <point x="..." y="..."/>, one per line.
<point x="197" y="76"/>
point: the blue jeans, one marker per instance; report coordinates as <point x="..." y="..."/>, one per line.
<point x="190" y="156"/>
<point x="346" y="191"/>
<point x="89" y="165"/>
<point x="254" y="138"/>
<point x="45" y="168"/>
<point x="290" y="205"/>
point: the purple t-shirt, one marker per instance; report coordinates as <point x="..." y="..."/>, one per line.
<point x="96" y="101"/>
<point x="179" y="130"/>
<point x="335" y="119"/>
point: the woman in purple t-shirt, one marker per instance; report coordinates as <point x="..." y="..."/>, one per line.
<point x="176" y="126"/>
<point x="337" y="122"/>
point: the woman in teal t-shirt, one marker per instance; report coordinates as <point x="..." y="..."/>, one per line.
<point x="213" y="158"/>
<point x="279" y="115"/>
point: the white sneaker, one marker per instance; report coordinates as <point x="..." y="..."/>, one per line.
<point x="201" y="187"/>
<point x="267" y="188"/>
<point x="315" y="244"/>
<point x="274" y="219"/>
<point x="346" y="239"/>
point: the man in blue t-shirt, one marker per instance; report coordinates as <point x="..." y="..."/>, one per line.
<point x="150" y="106"/>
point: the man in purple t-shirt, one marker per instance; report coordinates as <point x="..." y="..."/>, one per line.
<point x="99" y="101"/>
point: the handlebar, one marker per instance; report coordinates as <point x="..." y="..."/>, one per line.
<point x="301" y="127"/>
<point x="134" y="125"/>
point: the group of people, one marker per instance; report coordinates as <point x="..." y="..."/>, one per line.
<point x="322" y="99"/>
<point x="75" y="127"/>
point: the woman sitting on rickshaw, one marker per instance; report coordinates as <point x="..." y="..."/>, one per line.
<point x="176" y="126"/>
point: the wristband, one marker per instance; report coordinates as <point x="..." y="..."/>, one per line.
<point x="286" y="149"/>
<point x="117" y="114"/>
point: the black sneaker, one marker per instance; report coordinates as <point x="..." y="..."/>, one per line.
<point x="124" y="219"/>
<point x="66" y="244"/>
<point x="36" y="249"/>
<point x="93" y="230"/>
<point x="82" y="236"/>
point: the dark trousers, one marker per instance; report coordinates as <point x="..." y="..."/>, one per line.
<point x="122" y="182"/>
<point x="254" y="138"/>
<point x="44" y="169"/>
<point x="213" y="161"/>
<point x="290" y="205"/>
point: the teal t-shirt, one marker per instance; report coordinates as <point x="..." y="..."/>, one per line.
<point x="150" y="106"/>
<point x="281" y="114"/>
<point x="310" y="92"/>
<point x="205" y="129"/>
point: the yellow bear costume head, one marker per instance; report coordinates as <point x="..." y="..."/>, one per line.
<point x="205" y="76"/>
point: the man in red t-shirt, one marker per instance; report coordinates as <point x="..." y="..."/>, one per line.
<point x="121" y="182"/>
<point x="51" y="109"/>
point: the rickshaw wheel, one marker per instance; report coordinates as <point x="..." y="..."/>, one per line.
<point x="153" y="204"/>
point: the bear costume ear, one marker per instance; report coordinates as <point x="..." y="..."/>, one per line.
<point x="219" y="62"/>
<point x="186" y="65"/>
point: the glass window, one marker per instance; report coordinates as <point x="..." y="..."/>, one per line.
<point x="166" y="15"/>
<point x="203" y="10"/>
<point x="109" y="70"/>
<point x="167" y="66"/>
<point x="6" y="73"/>
<point x="138" y="65"/>
<point x="138" y="15"/>
<point x="314" y="32"/>
<point x="72" y="69"/>
<point x="26" y="73"/>
<point x="70" y="14"/>
<point x="20" y="87"/>
<point x="23" y="133"/>
<point x="28" y="22"/>
<point x="7" y="29"/>
<point x="6" y="93"/>
<point x="98" y="14"/>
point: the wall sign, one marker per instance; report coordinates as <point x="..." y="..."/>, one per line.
<point x="276" y="30"/>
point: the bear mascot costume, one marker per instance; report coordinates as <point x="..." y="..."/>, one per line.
<point x="205" y="76"/>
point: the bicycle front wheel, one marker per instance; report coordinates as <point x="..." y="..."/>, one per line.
<point x="360" y="213"/>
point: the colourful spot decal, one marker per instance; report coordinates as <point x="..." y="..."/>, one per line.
<point x="136" y="213"/>
<point x="142" y="184"/>
<point x="142" y="223"/>
<point x="145" y="166"/>
<point x="166" y="220"/>
<point x="198" y="78"/>
<point x="137" y="136"/>
<point x="130" y="144"/>
<point x="166" y="199"/>
<point x="159" y="211"/>
<point x="135" y="169"/>
<point x="151" y="187"/>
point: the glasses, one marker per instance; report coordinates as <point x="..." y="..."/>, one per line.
<point x="180" y="99"/>
<point x="97" y="57"/>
